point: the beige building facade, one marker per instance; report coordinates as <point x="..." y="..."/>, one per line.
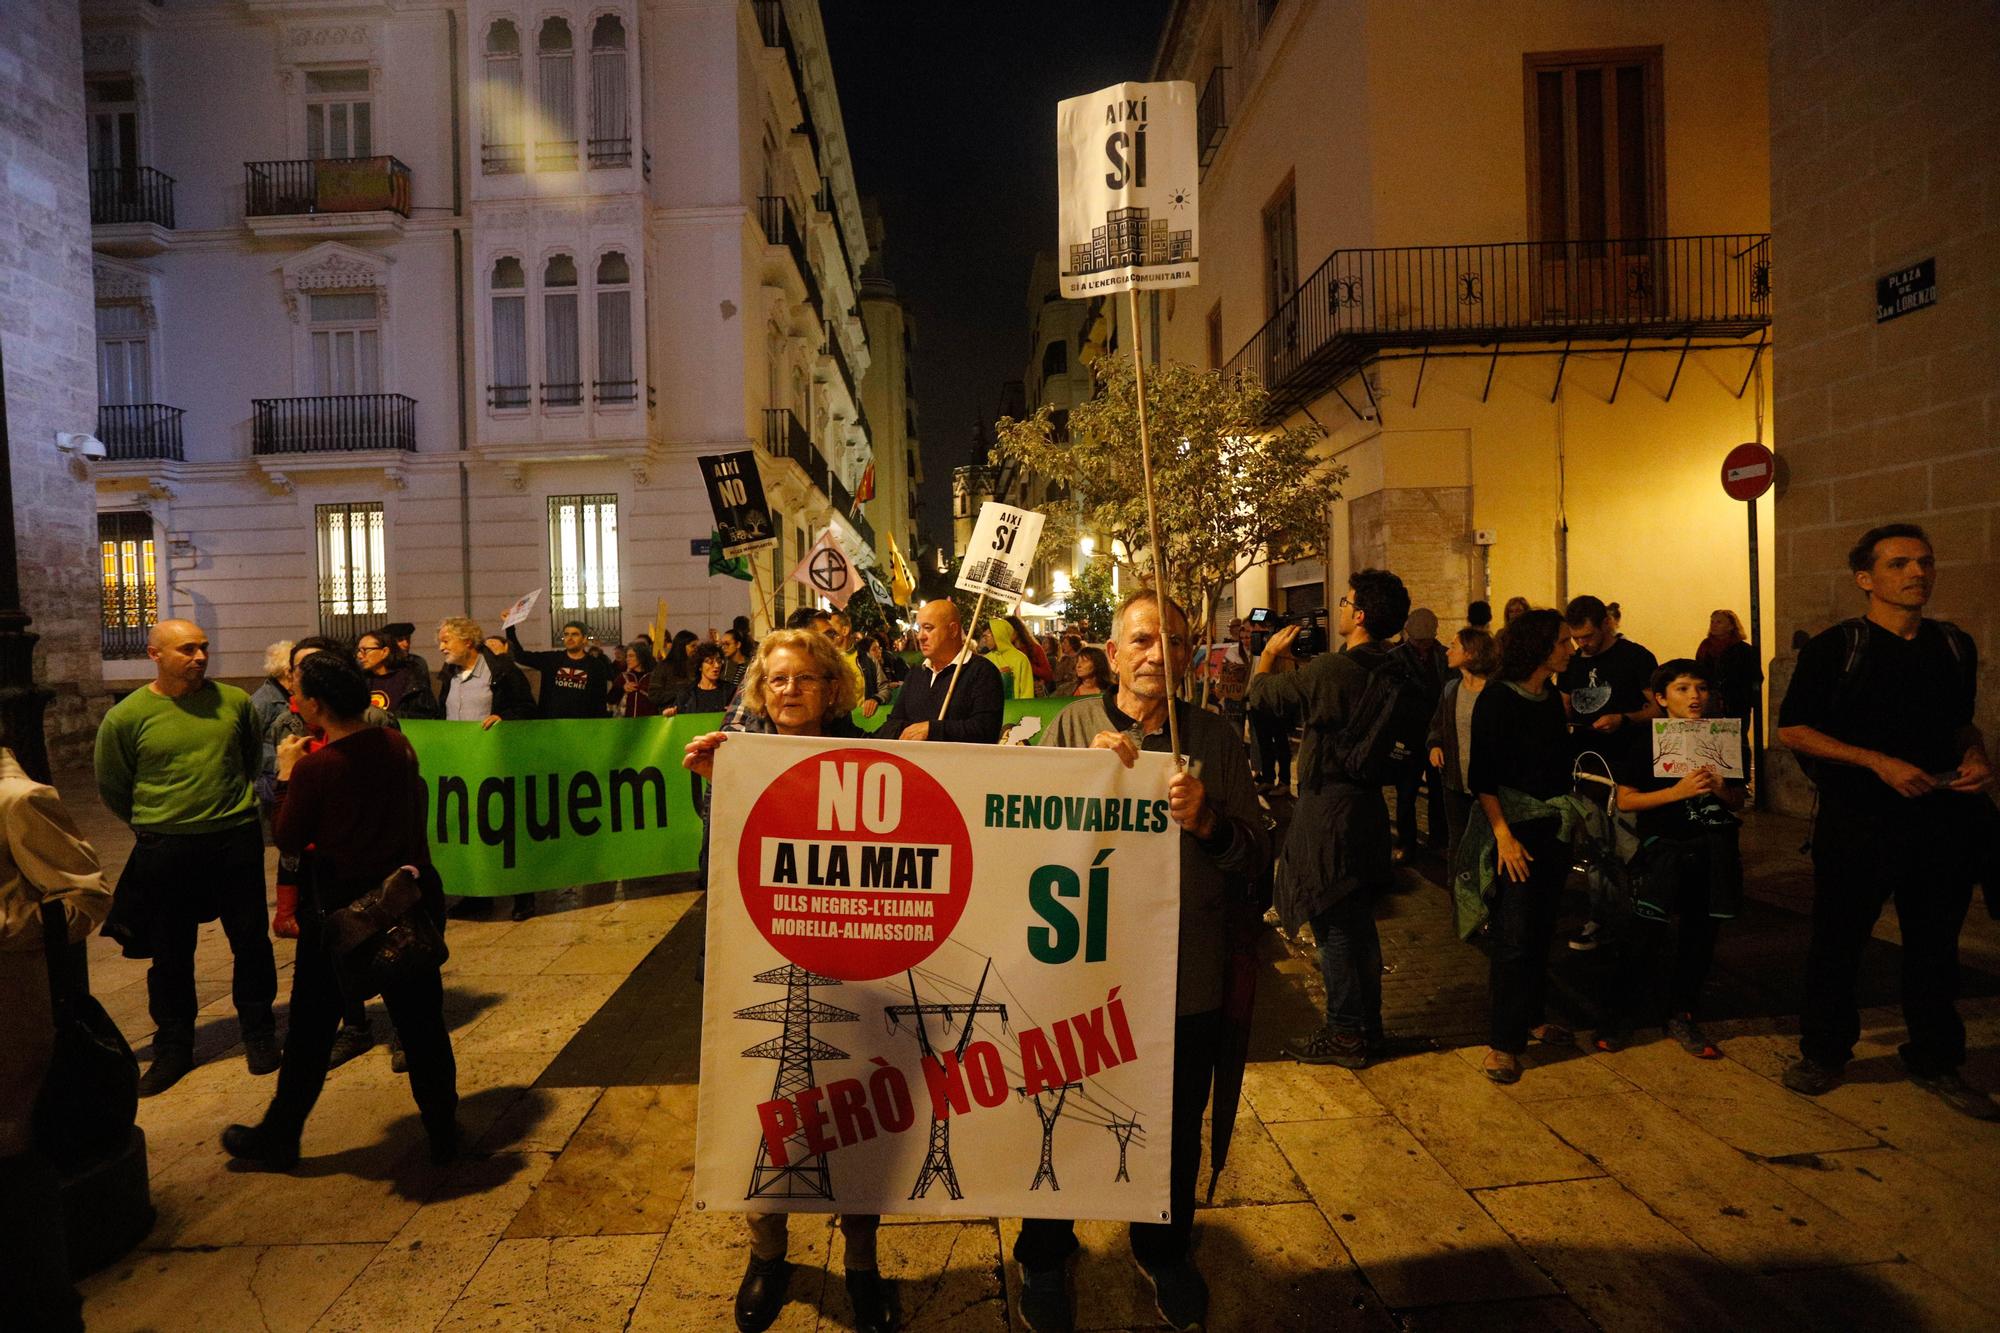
<point x="888" y="392"/>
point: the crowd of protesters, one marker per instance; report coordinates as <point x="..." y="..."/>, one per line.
<point x="1527" y="751"/>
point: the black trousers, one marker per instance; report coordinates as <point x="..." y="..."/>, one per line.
<point x="1524" y="922"/>
<point x="191" y="878"/>
<point x="1921" y="853"/>
<point x="1406" y="808"/>
<point x="1274" y="747"/>
<point x="415" y="1006"/>
<point x="1350" y="963"/>
<point x="1660" y="961"/>
<point x="1045" y="1242"/>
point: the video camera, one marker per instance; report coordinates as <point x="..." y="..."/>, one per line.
<point x="1312" y="637"/>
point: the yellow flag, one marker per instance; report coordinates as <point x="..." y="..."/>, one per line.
<point x="901" y="585"/>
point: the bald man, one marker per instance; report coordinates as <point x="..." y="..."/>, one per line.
<point x="175" y="760"/>
<point x="976" y="703"/>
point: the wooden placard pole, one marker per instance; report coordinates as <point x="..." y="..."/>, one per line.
<point x="964" y="652"/>
<point x="1153" y="520"/>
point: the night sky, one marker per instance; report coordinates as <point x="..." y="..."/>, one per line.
<point x="950" y="110"/>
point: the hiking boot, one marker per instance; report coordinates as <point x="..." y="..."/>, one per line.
<point x="1587" y="938"/>
<point x="1683" y="1029"/>
<point x="1810" y="1078"/>
<point x="1180" y="1292"/>
<point x="170" y="1065"/>
<point x="262" y="1053"/>
<point x="1328" y="1047"/>
<point x="1959" y="1095"/>
<point x="762" y="1294"/>
<point x="1045" y="1303"/>
<point x="352" y="1040"/>
<point x="260" y="1146"/>
<point x="874" y="1300"/>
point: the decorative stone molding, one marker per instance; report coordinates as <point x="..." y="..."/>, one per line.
<point x="515" y="476"/>
<point x="326" y="43"/>
<point x="116" y="282"/>
<point x="332" y="266"/>
<point x="109" y="52"/>
<point x="639" y="474"/>
<point x="279" y="482"/>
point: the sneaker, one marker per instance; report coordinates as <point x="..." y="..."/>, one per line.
<point x="260" y="1147"/>
<point x="1959" y="1095"/>
<point x="351" y="1041"/>
<point x="399" y="1059"/>
<point x="524" y="906"/>
<point x="761" y="1295"/>
<point x="1045" y="1303"/>
<point x="1180" y="1292"/>
<point x="1552" y="1034"/>
<point x="170" y="1065"/>
<point x="1683" y="1029"/>
<point x="1810" y="1078"/>
<point x="1328" y="1047"/>
<point x="874" y="1300"/>
<point x="1587" y="938"/>
<point x="262" y="1053"/>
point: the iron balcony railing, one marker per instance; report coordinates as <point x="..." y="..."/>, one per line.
<point x="509" y="397"/>
<point x="785" y="436"/>
<point x="332" y="424"/>
<point x="839" y="354"/>
<point x="131" y="194"/>
<point x="504" y="159"/>
<point x="777" y="34"/>
<point x="615" y="391"/>
<point x="1211" y="119"/>
<point x="1361" y="301"/>
<point x="326" y="185"/>
<point x="139" y="431"/>
<point x="611" y="152"/>
<point x="555" y="155"/>
<point x="563" y="395"/>
<point x="781" y="227"/>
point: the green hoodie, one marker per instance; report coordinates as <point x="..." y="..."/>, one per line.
<point x="1011" y="659"/>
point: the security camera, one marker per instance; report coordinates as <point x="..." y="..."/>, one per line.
<point x="80" y="442"/>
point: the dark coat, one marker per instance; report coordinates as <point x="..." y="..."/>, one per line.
<point x="976" y="705"/>
<point x="513" y="699"/>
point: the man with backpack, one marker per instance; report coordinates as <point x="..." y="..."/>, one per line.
<point x="1880" y="713"/>
<point x="1365" y="711"/>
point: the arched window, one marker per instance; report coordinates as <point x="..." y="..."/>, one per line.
<point x="610" y="122"/>
<point x="1055" y="359"/>
<point x="509" y="387"/>
<point x="502" y="150"/>
<point x="555" y="97"/>
<point x="615" y="381"/>
<point x="562" y="368"/>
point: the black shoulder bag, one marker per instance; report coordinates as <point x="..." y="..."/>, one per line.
<point x="385" y="936"/>
<point x="90" y="1098"/>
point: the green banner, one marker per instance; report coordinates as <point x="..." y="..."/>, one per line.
<point x="527" y="806"/>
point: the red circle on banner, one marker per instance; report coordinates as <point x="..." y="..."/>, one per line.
<point x="1748" y="471"/>
<point x="855" y="864"/>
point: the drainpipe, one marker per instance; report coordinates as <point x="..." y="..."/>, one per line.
<point x="458" y="316"/>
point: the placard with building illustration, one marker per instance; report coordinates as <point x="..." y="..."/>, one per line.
<point x="940" y="979"/>
<point x="1000" y="552"/>
<point x="1129" y="211"/>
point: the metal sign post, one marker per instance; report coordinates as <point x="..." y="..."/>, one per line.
<point x="1747" y="473"/>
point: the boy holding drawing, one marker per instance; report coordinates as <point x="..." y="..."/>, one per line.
<point x="1687" y="864"/>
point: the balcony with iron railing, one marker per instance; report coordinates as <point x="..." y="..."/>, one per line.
<point x="366" y="189"/>
<point x="1211" y="117"/>
<point x="140" y="432"/>
<point x="333" y="424"/>
<point x="781" y="228"/>
<point x="122" y="196"/>
<point x="1670" y="290"/>
<point x="777" y="34"/>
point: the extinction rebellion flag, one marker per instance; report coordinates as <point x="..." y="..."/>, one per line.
<point x="1128" y="177"/>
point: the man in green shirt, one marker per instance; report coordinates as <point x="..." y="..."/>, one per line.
<point x="175" y="760"/>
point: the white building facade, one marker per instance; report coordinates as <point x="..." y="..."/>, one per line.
<point x="406" y="310"/>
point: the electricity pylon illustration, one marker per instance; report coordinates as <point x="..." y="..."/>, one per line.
<point x="1124" y="1129"/>
<point x="804" y="1174"/>
<point x="937" y="1158"/>
<point x="1049" y="1114"/>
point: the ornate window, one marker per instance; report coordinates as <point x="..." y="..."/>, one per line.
<point x="124" y="354"/>
<point x="130" y="604"/>
<point x="509" y="386"/>
<point x="340" y="114"/>
<point x="503" y="150"/>
<point x="353" y="580"/>
<point x="615" y="381"/>
<point x="562" y="363"/>
<point x="555" y="97"/>
<point x="610" y="109"/>
<point x="583" y="564"/>
<point x="346" y="342"/>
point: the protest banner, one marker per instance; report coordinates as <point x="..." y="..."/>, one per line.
<point x="828" y="572"/>
<point x="736" y="498"/>
<point x="1683" y="744"/>
<point x="1000" y="552"/>
<point x="1128" y="184"/>
<point x="880" y="919"/>
<point x="540" y="805"/>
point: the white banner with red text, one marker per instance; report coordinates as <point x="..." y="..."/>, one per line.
<point x="940" y="980"/>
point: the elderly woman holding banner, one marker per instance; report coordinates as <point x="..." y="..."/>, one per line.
<point x="798" y="685"/>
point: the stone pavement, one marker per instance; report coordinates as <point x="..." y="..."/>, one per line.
<point x="1641" y="1190"/>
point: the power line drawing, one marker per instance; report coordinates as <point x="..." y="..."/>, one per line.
<point x="805" y="1174"/>
<point x="937" y="1158"/>
<point x="1049" y="1115"/>
<point x="1124" y="1129"/>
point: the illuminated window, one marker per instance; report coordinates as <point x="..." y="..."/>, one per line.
<point x="583" y="564"/>
<point x="503" y="151"/>
<point x="555" y="96"/>
<point x="130" y="592"/>
<point x="353" y="580"/>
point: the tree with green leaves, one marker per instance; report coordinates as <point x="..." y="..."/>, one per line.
<point x="1091" y="600"/>
<point x="1232" y="492"/>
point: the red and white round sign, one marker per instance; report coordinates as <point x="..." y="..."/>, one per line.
<point x="1748" y="471"/>
<point x="855" y="864"/>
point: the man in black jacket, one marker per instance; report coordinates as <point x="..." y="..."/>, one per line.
<point x="575" y="681"/>
<point x="976" y="704"/>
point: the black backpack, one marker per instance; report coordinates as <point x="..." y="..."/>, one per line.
<point x="1382" y="741"/>
<point x="1855" y="631"/>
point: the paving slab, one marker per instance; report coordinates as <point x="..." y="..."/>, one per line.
<point x="1412" y="1229"/>
<point x="1551" y="1072"/>
<point x="1893" y="1295"/>
<point x="1741" y="1212"/>
<point x="625" y="1170"/>
<point x="407" y="1286"/>
<point x="584" y="1283"/>
<point x="1547" y="1314"/>
<point x="1281" y="1267"/>
<point x="274" y="1287"/>
<point x="1473" y="1129"/>
<point x="1255" y="1173"/>
<point x="1737" y="1106"/>
<point x="1286" y="1090"/>
<point x="692" y="1287"/>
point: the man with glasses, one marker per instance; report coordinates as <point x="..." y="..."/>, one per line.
<point x="396" y="684"/>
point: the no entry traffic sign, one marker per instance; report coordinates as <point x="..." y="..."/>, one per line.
<point x="1748" y="472"/>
